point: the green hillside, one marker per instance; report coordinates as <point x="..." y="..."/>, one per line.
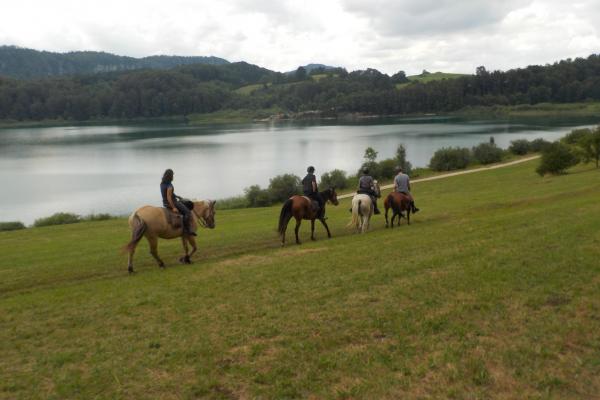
<point x="430" y="77"/>
<point x="492" y="292"/>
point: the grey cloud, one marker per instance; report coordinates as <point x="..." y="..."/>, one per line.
<point x="426" y="17"/>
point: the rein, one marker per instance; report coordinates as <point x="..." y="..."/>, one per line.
<point x="200" y="219"/>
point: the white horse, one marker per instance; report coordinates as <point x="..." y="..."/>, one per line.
<point x="362" y="210"/>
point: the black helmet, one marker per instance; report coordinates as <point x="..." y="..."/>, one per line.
<point x="310" y="169"/>
<point x="365" y="170"/>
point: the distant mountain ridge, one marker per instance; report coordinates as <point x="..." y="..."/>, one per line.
<point x="311" y="67"/>
<point x="22" y="63"/>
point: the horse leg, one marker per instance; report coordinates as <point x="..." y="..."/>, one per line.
<point x="386" y="217"/>
<point x="130" y="258"/>
<point x="185" y="259"/>
<point x="192" y="241"/>
<point x="408" y="216"/>
<point x="153" y="250"/>
<point x="312" y="229"/>
<point x="298" y="222"/>
<point x="326" y="227"/>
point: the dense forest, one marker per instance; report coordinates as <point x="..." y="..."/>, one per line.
<point x="17" y="62"/>
<point x="201" y="88"/>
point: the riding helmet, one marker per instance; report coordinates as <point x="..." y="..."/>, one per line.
<point x="310" y="169"/>
<point x="365" y="171"/>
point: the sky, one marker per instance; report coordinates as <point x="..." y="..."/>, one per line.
<point x="389" y="35"/>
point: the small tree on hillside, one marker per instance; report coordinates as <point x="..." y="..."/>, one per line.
<point x="556" y="159"/>
<point x="590" y="145"/>
<point x="336" y="178"/>
<point x="487" y="153"/>
<point x="370" y="154"/>
<point x="282" y="187"/>
<point x="401" y="159"/>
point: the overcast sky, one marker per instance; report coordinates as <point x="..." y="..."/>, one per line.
<point x="390" y="35"/>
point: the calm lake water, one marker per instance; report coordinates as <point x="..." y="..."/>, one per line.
<point x="115" y="169"/>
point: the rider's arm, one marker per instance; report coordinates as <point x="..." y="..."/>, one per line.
<point x="314" y="184"/>
<point x="170" y="199"/>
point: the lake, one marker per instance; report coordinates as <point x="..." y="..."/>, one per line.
<point x="116" y="168"/>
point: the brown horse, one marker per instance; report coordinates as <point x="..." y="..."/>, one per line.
<point x="398" y="202"/>
<point x="158" y="222"/>
<point x="301" y="207"/>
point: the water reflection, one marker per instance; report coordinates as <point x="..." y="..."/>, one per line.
<point x="117" y="168"/>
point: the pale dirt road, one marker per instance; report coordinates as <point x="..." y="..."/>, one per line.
<point x="470" y="171"/>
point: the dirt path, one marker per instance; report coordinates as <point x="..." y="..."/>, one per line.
<point x="470" y="171"/>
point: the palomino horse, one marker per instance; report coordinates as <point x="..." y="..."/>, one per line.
<point x="152" y="222"/>
<point x="301" y="207"/>
<point x="362" y="210"/>
<point x="398" y="202"/>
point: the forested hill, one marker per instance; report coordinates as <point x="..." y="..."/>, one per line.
<point x="23" y="63"/>
<point x="200" y="88"/>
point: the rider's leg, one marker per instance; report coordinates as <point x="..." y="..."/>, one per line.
<point x="185" y="212"/>
<point x="375" y="208"/>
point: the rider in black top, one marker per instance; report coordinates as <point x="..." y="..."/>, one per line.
<point x="365" y="186"/>
<point x="310" y="189"/>
<point x="171" y="201"/>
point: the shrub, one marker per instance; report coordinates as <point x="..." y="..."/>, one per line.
<point x="258" y="197"/>
<point x="519" y="147"/>
<point x="401" y="159"/>
<point x="590" y="147"/>
<point x="282" y="187"/>
<point x="11" y="226"/>
<point x="336" y="178"/>
<point x="57" y="219"/>
<point x="232" y="202"/>
<point x="372" y="166"/>
<point x="487" y="153"/>
<point x="450" y="158"/>
<point x="387" y="168"/>
<point x="556" y="158"/>
<point x="576" y="136"/>
<point x="538" y="145"/>
<point x="98" y="217"/>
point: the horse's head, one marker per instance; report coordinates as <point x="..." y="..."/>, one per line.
<point x="376" y="189"/>
<point x="205" y="213"/>
<point x="332" y="196"/>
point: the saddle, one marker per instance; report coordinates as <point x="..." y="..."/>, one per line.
<point x="314" y="204"/>
<point x="175" y="220"/>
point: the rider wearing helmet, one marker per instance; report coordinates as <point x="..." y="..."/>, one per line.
<point x="366" y="185"/>
<point x="402" y="185"/>
<point x="310" y="189"/>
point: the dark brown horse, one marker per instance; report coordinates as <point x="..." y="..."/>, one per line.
<point x="301" y="207"/>
<point x="398" y="202"/>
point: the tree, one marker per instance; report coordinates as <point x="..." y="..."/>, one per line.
<point x="487" y="153"/>
<point x="301" y="74"/>
<point x="556" y="159"/>
<point x="401" y="159"/>
<point x="336" y="178"/>
<point x="450" y="158"/>
<point x="282" y="187"/>
<point x="370" y="154"/>
<point x="519" y="147"/>
<point x="590" y="144"/>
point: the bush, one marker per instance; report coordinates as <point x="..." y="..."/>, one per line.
<point x="372" y="166"/>
<point x="387" y="168"/>
<point x="519" y="147"/>
<point x="258" y="197"/>
<point x="556" y="158"/>
<point x="232" y="203"/>
<point x="336" y="178"/>
<point x="282" y="187"/>
<point x="450" y="158"/>
<point x="98" y="217"/>
<point x="538" y="145"/>
<point x="57" y="219"/>
<point x="11" y="226"/>
<point x="487" y="153"/>
<point x="576" y="136"/>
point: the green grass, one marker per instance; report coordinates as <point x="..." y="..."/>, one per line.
<point x="584" y="109"/>
<point x="425" y="78"/>
<point x="492" y="292"/>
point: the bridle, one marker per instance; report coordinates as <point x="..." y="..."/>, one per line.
<point x="201" y="219"/>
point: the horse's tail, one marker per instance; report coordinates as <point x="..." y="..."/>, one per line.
<point x="139" y="228"/>
<point x="355" y="215"/>
<point x="285" y="216"/>
<point x="390" y="200"/>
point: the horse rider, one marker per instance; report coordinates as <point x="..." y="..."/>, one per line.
<point x="402" y="185"/>
<point x="366" y="185"/>
<point x="172" y="201"/>
<point x="310" y="189"/>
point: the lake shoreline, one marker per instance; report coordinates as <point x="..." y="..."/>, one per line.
<point x="558" y="110"/>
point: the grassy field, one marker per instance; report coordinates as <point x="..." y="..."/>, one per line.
<point x="492" y="292"/>
<point x="433" y="76"/>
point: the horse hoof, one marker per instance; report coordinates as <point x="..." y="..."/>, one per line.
<point x="131" y="271"/>
<point x="161" y="266"/>
<point x="313" y="239"/>
<point x="187" y="260"/>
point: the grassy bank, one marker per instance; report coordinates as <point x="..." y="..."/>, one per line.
<point x="587" y="109"/>
<point x="491" y="293"/>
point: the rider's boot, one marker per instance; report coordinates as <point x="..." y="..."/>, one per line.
<point x="375" y="208"/>
<point x="414" y="208"/>
<point x="187" y="231"/>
